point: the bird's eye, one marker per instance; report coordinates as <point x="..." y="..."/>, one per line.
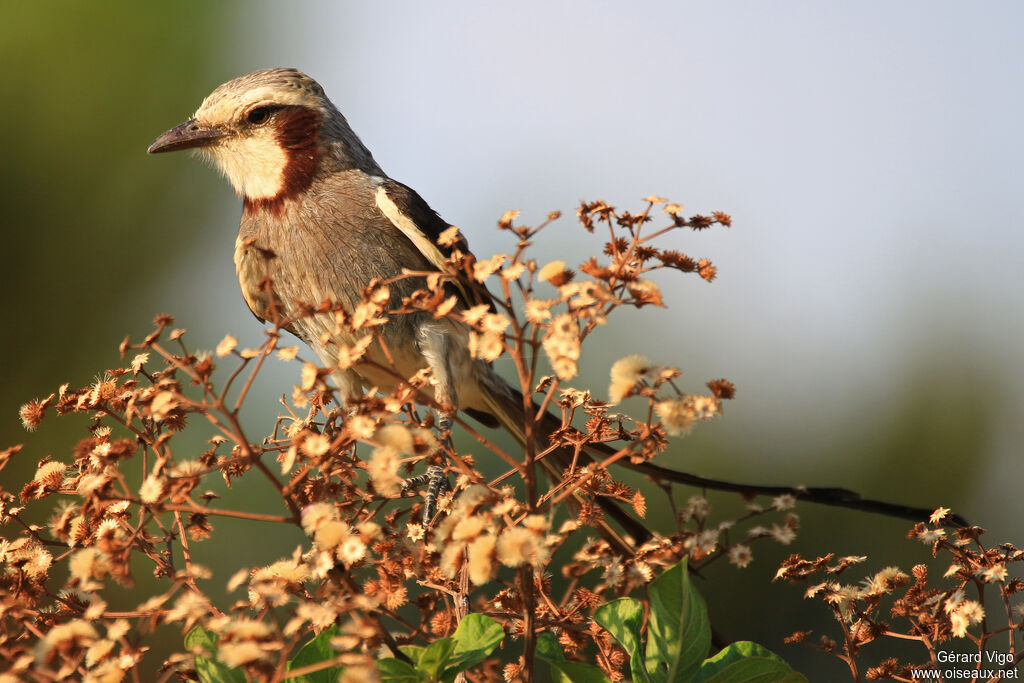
<point x="259" y="115"/>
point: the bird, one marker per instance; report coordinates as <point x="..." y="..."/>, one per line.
<point x="320" y="221"/>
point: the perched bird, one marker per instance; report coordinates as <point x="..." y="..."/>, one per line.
<point x="322" y="220"/>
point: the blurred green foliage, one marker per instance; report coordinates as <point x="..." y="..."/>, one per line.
<point x="88" y="221"/>
<point x="87" y="87"/>
<point x="926" y="445"/>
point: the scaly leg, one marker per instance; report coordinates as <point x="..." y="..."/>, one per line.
<point x="435" y="478"/>
<point x="435" y="341"/>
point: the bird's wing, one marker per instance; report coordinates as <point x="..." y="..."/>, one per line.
<point x="411" y="214"/>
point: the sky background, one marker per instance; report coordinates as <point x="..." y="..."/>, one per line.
<point x="870" y="299"/>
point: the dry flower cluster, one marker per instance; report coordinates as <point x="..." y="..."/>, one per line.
<point x="923" y="612"/>
<point x="534" y="558"/>
<point x="368" y="559"/>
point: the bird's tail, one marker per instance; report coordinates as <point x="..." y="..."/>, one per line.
<point x="507" y="405"/>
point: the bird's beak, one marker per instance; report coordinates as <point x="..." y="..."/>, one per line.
<point x="186" y="136"/>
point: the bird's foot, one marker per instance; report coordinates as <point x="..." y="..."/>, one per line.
<point x="333" y="422"/>
<point x="444" y="428"/>
<point x="331" y="428"/>
<point x="435" y="479"/>
<point x="436" y="483"/>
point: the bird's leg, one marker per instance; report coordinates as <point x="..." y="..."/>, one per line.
<point x="330" y="428"/>
<point x="437" y="481"/>
<point x="434" y="341"/>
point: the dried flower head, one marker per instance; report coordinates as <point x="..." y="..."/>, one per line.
<point x="562" y="345"/>
<point x="517" y="546"/>
<point x="626" y="374"/>
<point x="383" y="469"/>
<point x="364" y="557"/>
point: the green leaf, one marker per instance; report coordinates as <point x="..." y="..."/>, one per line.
<point x="315" y="651"/>
<point x="679" y="634"/>
<point x="563" y="671"/>
<point x="209" y="669"/>
<point x="212" y="671"/>
<point x="747" y="662"/>
<point x="576" y="672"/>
<point x="678" y="638"/>
<point x="475" y="639"/>
<point x="397" y="671"/>
<point x="413" y="652"/>
<point x="435" y="656"/>
<point x="623" y="619"/>
<point x="548" y="648"/>
<point x="477" y="633"/>
<point x="201" y="637"/>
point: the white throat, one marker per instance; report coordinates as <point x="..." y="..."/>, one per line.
<point x="254" y="165"/>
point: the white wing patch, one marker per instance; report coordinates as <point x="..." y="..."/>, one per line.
<point x="409" y="229"/>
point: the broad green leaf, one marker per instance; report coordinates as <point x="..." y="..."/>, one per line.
<point x="212" y="671"/>
<point x="576" y="672"/>
<point x="315" y="651"/>
<point x="209" y="669"/>
<point x="679" y="634"/>
<point x="623" y="619"/>
<point x="435" y="656"/>
<point x="413" y="652"/>
<point x="548" y="648"/>
<point x="201" y="637"/>
<point x="477" y="632"/>
<point x="396" y="671"/>
<point x="475" y="639"/>
<point x="563" y="671"/>
<point x="747" y="662"/>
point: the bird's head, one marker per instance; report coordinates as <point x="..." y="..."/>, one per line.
<point x="271" y="133"/>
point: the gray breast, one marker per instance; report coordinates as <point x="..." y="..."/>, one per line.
<point x="329" y="244"/>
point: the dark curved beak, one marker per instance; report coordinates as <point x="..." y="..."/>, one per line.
<point x="187" y="136"/>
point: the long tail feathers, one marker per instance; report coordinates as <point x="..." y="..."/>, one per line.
<point x="506" y="404"/>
